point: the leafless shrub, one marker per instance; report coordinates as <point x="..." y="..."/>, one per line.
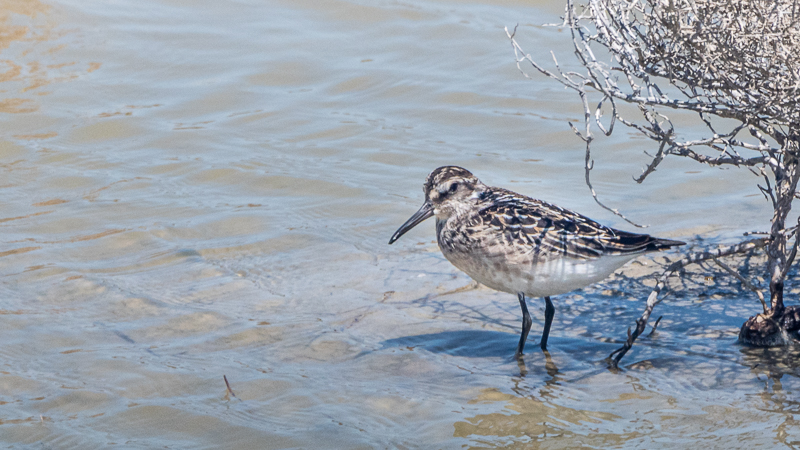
<point x="736" y="64"/>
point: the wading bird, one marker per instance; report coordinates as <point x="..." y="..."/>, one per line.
<point x="516" y="244"/>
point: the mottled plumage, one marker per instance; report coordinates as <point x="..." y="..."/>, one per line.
<point x="517" y="244"/>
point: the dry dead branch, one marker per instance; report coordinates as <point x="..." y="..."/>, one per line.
<point x="735" y="64"/>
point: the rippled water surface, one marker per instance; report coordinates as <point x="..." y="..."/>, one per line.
<point x="192" y="190"/>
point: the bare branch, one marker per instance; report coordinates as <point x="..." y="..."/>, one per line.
<point x="735" y="160"/>
<point x="589" y="165"/>
<point x="652" y="166"/>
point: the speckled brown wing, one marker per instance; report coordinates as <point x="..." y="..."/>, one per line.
<point x="548" y="231"/>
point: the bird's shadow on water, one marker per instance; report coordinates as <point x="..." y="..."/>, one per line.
<point x="464" y="343"/>
<point x="580" y="359"/>
<point x="496" y="344"/>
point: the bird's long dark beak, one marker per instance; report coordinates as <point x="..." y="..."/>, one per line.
<point x="423" y="213"/>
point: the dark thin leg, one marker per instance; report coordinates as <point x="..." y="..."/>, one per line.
<point x="526" y="324"/>
<point x="549" y="312"/>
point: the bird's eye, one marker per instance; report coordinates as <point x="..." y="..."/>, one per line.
<point x="453" y="187"/>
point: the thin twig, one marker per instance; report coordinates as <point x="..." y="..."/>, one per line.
<point x="655" y="325"/>
<point x="230" y="391"/>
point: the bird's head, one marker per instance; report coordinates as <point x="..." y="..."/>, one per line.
<point x="448" y="190"/>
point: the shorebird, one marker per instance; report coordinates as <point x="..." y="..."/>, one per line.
<point x="516" y="244"/>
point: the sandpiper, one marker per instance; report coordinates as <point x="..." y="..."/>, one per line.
<point x="516" y="244"/>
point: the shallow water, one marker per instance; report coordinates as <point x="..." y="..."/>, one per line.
<point x="199" y="189"/>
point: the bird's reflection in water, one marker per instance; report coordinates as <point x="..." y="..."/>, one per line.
<point x="549" y="366"/>
<point x="531" y="411"/>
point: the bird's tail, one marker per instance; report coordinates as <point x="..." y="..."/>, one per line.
<point x="663" y="244"/>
